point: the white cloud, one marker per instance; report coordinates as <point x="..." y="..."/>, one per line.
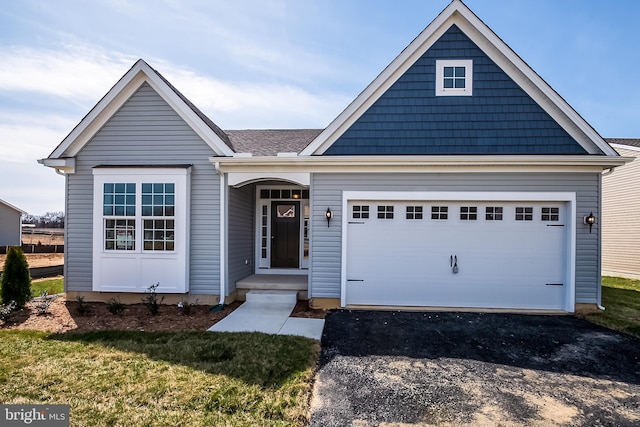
<point x="79" y="73"/>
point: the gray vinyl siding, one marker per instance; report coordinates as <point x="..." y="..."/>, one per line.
<point x="146" y="131"/>
<point x="10" y="232"/>
<point x="327" y="192"/>
<point x="241" y="234"/>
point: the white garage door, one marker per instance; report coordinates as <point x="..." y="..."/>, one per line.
<point x="500" y="254"/>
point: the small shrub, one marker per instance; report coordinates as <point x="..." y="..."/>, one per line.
<point x="151" y="300"/>
<point x="6" y="310"/>
<point x="185" y="307"/>
<point x="16" y="281"/>
<point x="43" y="303"/>
<point x="115" y="306"/>
<point x="82" y="308"/>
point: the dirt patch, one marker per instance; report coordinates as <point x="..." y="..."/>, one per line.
<point x="38" y="260"/>
<point x="63" y="317"/>
<point x="302" y="309"/>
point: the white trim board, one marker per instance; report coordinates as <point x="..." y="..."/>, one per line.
<point x="567" y="197"/>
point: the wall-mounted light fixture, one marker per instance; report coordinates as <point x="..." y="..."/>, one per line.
<point x="328" y="215"/>
<point x="590" y="220"/>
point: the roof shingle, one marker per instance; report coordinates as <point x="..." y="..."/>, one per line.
<point x="270" y="142"/>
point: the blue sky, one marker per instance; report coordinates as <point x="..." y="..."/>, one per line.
<point x="275" y="63"/>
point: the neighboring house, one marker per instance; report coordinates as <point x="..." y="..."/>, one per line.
<point x="457" y="178"/>
<point x="10" y="224"/>
<point x="621" y="214"/>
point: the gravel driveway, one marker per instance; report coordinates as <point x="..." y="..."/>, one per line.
<point x="383" y="368"/>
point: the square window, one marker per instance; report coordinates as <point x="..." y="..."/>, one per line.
<point x="439" y="212"/>
<point x="360" y="212"/>
<point x="454" y="77"/>
<point x="493" y="213"/>
<point x="524" y="213"/>
<point x="414" y="212"/>
<point x="385" y="212"/>
<point x="468" y="213"/>
<point x="550" y="214"/>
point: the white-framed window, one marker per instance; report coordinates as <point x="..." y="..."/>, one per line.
<point x="385" y="212"/>
<point x="439" y="212"/>
<point x="524" y="213"/>
<point x="414" y="212"/>
<point x="140" y="228"/>
<point x="550" y="214"/>
<point x="493" y="213"/>
<point x="454" y="77"/>
<point x="468" y="213"/>
<point x="360" y="212"/>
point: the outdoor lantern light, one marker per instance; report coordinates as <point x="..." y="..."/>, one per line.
<point x="590" y="220"/>
<point x="328" y="214"/>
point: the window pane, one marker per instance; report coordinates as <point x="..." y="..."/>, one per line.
<point x="448" y="83"/>
<point x="119" y="188"/>
<point x="146" y="188"/>
<point x="169" y="188"/>
<point x="448" y="71"/>
<point x="459" y="83"/>
<point x="460" y="72"/>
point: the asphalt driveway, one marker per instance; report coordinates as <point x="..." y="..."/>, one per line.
<point x="383" y="368"/>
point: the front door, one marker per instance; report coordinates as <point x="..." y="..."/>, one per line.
<point x="285" y="234"/>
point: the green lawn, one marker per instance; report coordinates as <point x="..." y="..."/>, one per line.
<point x="621" y="298"/>
<point x="165" y="379"/>
<point x="52" y="286"/>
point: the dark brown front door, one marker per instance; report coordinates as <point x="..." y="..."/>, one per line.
<point x="285" y="234"/>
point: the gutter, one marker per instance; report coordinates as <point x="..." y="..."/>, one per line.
<point x="599" y="296"/>
<point x="223" y="239"/>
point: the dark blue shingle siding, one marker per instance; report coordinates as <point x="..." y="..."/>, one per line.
<point x="500" y="118"/>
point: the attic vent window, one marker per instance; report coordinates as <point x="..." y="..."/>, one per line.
<point x="454" y="77"/>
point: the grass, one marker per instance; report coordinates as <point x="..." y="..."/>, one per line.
<point x="621" y="298"/>
<point x="180" y="379"/>
<point x="52" y="286"/>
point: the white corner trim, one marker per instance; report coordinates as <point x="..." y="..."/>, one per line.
<point x="65" y="164"/>
<point x="119" y="94"/>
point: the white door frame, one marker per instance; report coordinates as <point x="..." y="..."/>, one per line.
<point x="567" y="197"/>
<point x="263" y="265"/>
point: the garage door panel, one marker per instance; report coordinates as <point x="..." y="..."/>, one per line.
<point x="501" y="263"/>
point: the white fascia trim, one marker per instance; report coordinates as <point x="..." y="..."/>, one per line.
<point x="568" y="197"/>
<point x="311" y="164"/>
<point x="626" y="147"/>
<point x="10" y="206"/>
<point x="239" y="179"/>
<point x="457" y="13"/>
<point x="64" y="164"/>
<point x="140" y="73"/>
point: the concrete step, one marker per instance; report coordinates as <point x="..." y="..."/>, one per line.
<point x="272" y="297"/>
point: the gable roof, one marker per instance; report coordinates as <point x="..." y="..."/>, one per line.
<point x="630" y="142"/>
<point x="140" y="73"/>
<point x="2" y="202"/>
<point x="270" y="142"/>
<point x="458" y="14"/>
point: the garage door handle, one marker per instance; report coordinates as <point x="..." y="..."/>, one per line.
<point x="554" y="284"/>
<point x="555" y="225"/>
<point x="355" y="280"/>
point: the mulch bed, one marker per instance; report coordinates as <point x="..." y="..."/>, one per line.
<point x="63" y="317"/>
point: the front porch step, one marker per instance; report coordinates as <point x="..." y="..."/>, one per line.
<point x="286" y="282"/>
<point x="272" y="297"/>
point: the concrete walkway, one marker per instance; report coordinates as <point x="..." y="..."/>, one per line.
<point x="268" y="312"/>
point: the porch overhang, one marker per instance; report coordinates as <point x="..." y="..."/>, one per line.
<point x="239" y="179"/>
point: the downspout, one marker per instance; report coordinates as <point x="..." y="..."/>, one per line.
<point x="599" y="296"/>
<point x="223" y="238"/>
